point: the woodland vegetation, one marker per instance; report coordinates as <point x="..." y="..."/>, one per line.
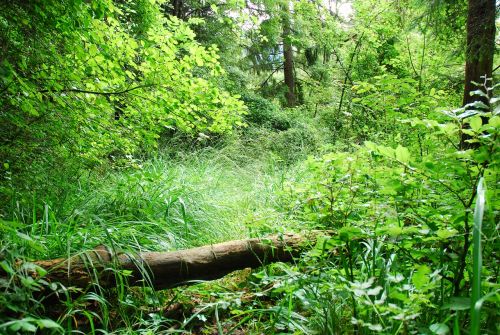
<point x="141" y="126"/>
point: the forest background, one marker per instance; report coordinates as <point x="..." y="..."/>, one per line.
<point x="156" y="125"/>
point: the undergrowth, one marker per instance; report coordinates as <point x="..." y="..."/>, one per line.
<point x="399" y="262"/>
<point x="167" y="203"/>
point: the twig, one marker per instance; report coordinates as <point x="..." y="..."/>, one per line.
<point x="76" y="90"/>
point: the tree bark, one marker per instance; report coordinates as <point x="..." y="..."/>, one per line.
<point x="480" y="44"/>
<point x="176" y="8"/>
<point x="288" y="67"/>
<point x="162" y="270"/>
<point x="480" y="49"/>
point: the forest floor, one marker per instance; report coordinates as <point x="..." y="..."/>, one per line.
<point x="174" y="201"/>
<point x="198" y="198"/>
<point x="259" y="183"/>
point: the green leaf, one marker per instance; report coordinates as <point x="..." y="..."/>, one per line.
<point x="478" y="93"/>
<point x="199" y="61"/>
<point x="439" y="329"/>
<point x="374" y="291"/>
<point x="47" y="323"/>
<point x="386" y="151"/>
<point x="494" y="121"/>
<point x="348" y="233"/>
<point x="370" y="146"/>
<point x="445" y="233"/>
<point x="476" y="123"/>
<point x="398" y="296"/>
<point x="7" y="268"/>
<point x="34" y="268"/>
<point x="93" y="50"/>
<point x="402" y="154"/>
<point x="33" y="244"/>
<point x="421" y="277"/>
<point x="27" y="107"/>
<point x="23" y="324"/>
<point x="457" y="304"/>
<point x="392" y="230"/>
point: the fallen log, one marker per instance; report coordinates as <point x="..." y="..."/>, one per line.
<point x="162" y="270"/>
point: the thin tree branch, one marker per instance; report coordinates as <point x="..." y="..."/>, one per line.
<point x="270" y="75"/>
<point x="76" y="90"/>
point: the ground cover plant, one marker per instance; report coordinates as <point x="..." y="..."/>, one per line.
<point x="368" y="127"/>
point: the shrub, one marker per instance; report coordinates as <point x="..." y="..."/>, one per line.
<point x="294" y="143"/>
<point x="262" y="112"/>
<point x="106" y="79"/>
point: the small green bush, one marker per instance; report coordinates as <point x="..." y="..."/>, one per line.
<point x="262" y="112"/>
<point x="294" y="143"/>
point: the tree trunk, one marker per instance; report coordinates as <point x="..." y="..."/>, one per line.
<point x="291" y="99"/>
<point x="176" y="8"/>
<point x="480" y="49"/>
<point x="169" y="269"/>
<point x="480" y="44"/>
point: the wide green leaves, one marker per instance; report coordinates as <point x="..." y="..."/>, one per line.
<point x="85" y="82"/>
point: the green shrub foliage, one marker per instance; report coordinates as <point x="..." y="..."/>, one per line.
<point x="403" y="221"/>
<point x="262" y="112"/>
<point x="83" y="82"/>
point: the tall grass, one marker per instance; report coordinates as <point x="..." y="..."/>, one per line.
<point x="205" y="196"/>
<point x="477" y="259"/>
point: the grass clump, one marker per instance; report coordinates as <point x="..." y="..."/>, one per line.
<point x="167" y="203"/>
